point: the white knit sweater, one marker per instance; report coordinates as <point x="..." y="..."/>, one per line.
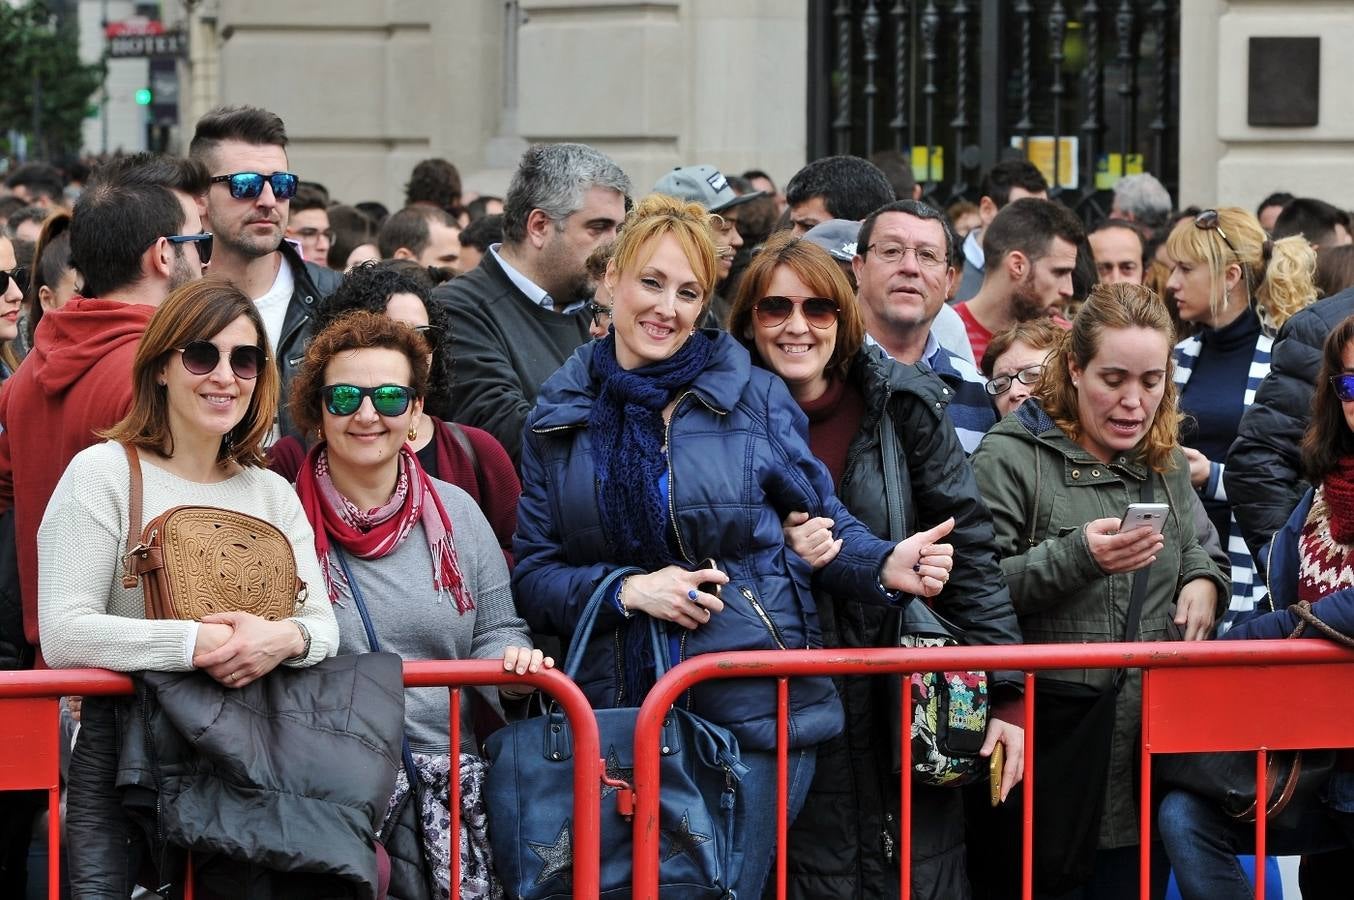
<point x="87" y="618"/>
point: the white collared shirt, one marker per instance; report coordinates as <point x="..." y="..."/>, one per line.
<point x="524" y="284"/>
<point x="533" y="291"/>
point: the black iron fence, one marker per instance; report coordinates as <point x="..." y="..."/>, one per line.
<point x="1084" y="89"/>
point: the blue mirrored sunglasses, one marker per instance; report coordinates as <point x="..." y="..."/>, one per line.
<point x="248" y="185"/>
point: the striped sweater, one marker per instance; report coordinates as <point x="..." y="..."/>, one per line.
<point x="1247" y="586"/>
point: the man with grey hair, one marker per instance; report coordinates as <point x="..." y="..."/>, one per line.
<point x="521" y="313"/>
<point x="1144" y="201"/>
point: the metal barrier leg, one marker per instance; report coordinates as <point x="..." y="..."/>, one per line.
<point x="782" y="781"/>
<point x="1261" y="804"/>
<point x="905" y="789"/>
<point x="1027" y="795"/>
<point x="454" y="792"/>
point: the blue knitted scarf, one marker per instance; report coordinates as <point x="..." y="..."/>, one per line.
<point x="626" y="426"/>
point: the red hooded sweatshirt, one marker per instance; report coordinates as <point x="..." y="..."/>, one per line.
<point x="76" y="380"/>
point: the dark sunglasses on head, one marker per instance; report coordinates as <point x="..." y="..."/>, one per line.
<point x="18" y="275"/>
<point x="1208" y="220"/>
<point x="819" y="312"/>
<point x="202" y="357"/>
<point x="386" y="399"/>
<point x="248" y="185"/>
<point x="202" y="239"/>
<point x="1344" y="387"/>
<point x="429" y="333"/>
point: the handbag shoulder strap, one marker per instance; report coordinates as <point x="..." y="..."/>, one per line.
<point x="893" y="498"/>
<point x="588" y="618"/>
<point x="463" y="441"/>
<point x="407" y="755"/>
<point x="1139" y="595"/>
<point x="129" y="579"/>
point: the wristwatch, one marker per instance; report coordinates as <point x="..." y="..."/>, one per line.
<point x="305" y="636"/>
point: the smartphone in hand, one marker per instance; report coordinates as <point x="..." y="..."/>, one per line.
<point x="995" y="763"/>
<point x="1153" y="515"/>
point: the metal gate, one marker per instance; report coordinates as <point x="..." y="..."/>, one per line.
<point x="1086" y="89"/>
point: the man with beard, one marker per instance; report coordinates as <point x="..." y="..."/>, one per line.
<point x="905" y="270"/>
<point x="248" y="201"/>
<point x="1031" y="249"/>
<point x="519" y="314"/>
<point x="135" y="236"/>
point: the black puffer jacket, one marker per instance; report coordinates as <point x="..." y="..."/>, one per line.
<point x="310" y="285"/>
<point x="844" y="843"/>
<point x="1264" y="477"/>
<point x="277" y="788"/>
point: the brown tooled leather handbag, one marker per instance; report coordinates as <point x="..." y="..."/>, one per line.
<point x="192" y="561"/>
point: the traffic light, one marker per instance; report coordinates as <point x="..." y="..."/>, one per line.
<point x="144" y="96"/>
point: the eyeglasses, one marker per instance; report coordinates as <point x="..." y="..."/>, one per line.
<point x="1208" y="220"/>
<point x="1002" y="383"/>
<point x="386" y="399"/>
<point x="248" y="185"/>
<point x="1344" y="387"/>
<point x="598" y="312"/>
<point x="202" y="239"/>
<point x="18" y="275"/>
<point x="892" y="254"/>
<point x="202" y="357"/>
<point x="819" y="312"/>
<point x="310" y="233"/>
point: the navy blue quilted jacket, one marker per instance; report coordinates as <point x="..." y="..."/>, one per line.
<point x="738" y="462"/>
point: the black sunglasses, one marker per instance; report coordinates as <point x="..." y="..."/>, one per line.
<point x="18" y="275"/>
<point x="598" y="312"/>
<point x="1208" y="220"/>
<point x="1344" y="387"/>
<point x="386" y="399"/>
<point x="202" y="357"/>
<point x="202" y="239"/>
<point x="431" y="334"/>
<point x="819" y="312"/>
<point x="248" y="185"/>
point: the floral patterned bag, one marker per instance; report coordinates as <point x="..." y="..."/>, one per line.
<point x="949" y="709"/>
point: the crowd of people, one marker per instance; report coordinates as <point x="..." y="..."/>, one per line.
<point x="788" y="414"/>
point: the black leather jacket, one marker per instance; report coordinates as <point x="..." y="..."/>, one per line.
<point x="845" y="841"/>
<point x="1264" y="477"/>
<point x="275" y="786"/>
<point x="311" y="284"/>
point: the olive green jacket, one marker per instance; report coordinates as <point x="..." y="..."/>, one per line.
<point x="1042" y="489"/>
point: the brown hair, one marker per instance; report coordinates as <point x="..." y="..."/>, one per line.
<point x="1328" y="437"/>
<point x="595" y="265"/>
<point x="1112" y="307"/>
<point x="1335" y="269"/>
<point x="658" y="215"/>
<point x="1037" y="333"/>
<point x="1278" y="275"/>
<point x="821" y="274"/>
<point x="197" y="311"/>
<point x="358" y="330"/>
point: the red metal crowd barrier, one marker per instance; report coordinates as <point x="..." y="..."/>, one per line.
<point x="30" y="755"/>
<point x="1221" y="695"/>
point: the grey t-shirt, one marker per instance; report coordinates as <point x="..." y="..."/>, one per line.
<point x="412" y="620"/>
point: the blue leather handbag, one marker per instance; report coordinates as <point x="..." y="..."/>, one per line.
<point x="529" y="797"/>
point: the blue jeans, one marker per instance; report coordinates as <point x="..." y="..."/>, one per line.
<point x="757" y="795"/>
<point x="1203" y="842"/>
